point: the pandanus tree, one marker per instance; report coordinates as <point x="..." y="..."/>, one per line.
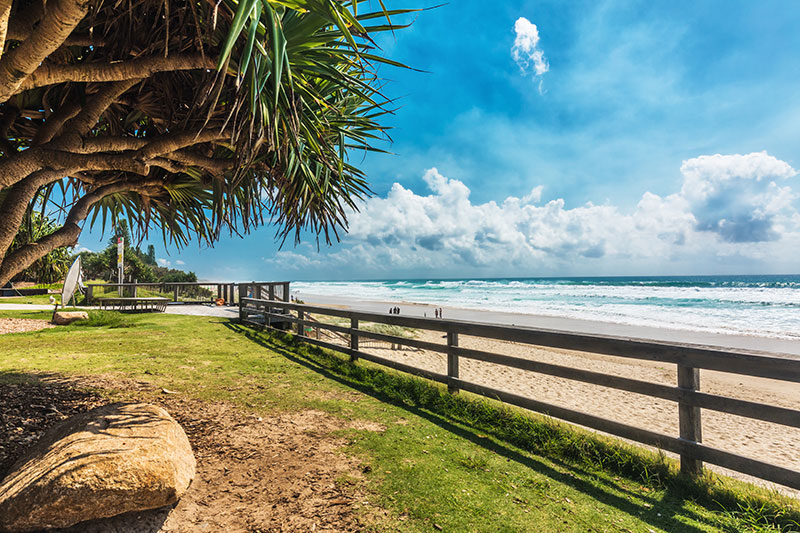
<point x="188" y="117"/>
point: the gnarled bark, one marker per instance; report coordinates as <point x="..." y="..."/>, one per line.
<point x="61" y="18"/>
<point x="105" y="72"/>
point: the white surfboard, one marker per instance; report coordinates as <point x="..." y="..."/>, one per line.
<point x="72" y="281"/>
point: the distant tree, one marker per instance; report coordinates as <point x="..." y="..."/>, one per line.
<point x="178" y="276"/>
<point x="120" y="230"/>
<point x="103" y="265"/>
<point x="190" y="117"/>
<point x="150" y="256"/>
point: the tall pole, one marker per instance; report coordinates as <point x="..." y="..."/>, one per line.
<point x="120" y="262"/>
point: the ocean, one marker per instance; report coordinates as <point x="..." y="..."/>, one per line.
<point x="765" y="306"/>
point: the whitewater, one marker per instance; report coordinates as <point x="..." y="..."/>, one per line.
<point x="764" y="306"/>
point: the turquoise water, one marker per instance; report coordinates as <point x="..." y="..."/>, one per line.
<point x="766" y="306"/>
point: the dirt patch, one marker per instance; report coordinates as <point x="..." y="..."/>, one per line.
<point x="27" y="410"/>
<point x="19" y="325"/>
<point x="254" y="473"/>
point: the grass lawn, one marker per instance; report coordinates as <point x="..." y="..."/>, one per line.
<point x="37" y="299"/>
<point x="444" y="462"/>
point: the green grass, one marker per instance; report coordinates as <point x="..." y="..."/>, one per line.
<point x="102" y="318"/>
<point x="457" y="461"/>
<point x="36" y="299"/>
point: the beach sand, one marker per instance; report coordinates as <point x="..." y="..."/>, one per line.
<point x="765" y="441"/>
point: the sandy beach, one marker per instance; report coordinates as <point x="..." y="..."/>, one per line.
<point x="738" y="342"/>
<point x="752" y="438"/>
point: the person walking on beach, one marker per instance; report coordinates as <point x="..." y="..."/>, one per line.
<point x="436" y="312"/>
<point x="440" y="312"/>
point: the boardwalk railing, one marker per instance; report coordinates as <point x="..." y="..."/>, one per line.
<point x="188" y="292"/>
<point x="689" y="360"/>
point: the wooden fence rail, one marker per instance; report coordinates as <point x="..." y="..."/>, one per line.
<point x="193" y="291"/>
<point x="689" y="360"/>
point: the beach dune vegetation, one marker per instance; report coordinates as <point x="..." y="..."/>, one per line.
<point x="191" y="118"/>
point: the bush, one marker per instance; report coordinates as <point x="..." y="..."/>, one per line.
<point x="102" y="318"/>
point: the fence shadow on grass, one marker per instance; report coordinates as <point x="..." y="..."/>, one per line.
<point x="471" y="418"/>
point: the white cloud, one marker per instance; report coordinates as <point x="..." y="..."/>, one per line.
<point x="179" y="262"/>
<point x="80" y="249"/>
<point x="738" y="196"/>
<point x="730" y="208"/>
<point x="526" y="47"/>
<point x="163" y="262"/>
<point x="288" y="260"/>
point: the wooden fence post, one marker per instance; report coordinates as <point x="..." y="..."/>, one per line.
<point x="301" y="326"/>
<point x="135" y="288"/>
<point x="452" y="361"/>
<point x="242" y="296"/>
<point x="89" y="293"/>
<point x="689" y="420"/>
<point x="175" y="293"/>
<point x="353" y="338"/>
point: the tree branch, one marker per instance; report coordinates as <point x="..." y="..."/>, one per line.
<point x="52" y="126"/>
<point x="61" y="17"/>
<point x="91" y="112"/>
<point x="142" y="67"/>
<point x="20" y="32"/>
<point x="171" y="143"/>
<point x="30" y="161"/>
<point x="16" y="203"/>
<point x="68" y="234"/>
<point x="214" y="166"/>
<point x="5" y="13"/>
<point x="73" y="153"/>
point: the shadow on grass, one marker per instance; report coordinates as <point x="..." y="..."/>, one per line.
<point x="579" y="457"/>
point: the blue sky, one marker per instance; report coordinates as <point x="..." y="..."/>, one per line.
<point x="614" y="137"/>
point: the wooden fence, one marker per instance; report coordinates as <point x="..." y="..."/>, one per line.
<point x="689" y="359"/>
<point x="190" y="292"/>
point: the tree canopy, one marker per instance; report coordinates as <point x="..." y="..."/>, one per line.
<point x="189" y="117"/>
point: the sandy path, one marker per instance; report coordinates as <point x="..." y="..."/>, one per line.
<point x="773" y="443"/>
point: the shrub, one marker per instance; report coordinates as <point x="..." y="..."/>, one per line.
<point x="101" y="318"/>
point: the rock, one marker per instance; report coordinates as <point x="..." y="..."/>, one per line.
<point x="111" y="460"/>
<point x="62" y="318"/>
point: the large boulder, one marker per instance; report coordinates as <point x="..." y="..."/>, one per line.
<point x="62" y="318"/>
<point x="114" y="459"/>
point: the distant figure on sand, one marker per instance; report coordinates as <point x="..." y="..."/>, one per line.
<point x="440" y="312"/>
<point x="436" y="312"/>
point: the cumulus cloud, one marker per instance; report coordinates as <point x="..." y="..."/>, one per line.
<point x="737" y="196"/>
<point x="163" y="262"/>
<point x="728" y="207"/>
<point x="525" y="50"/>
<point x="179" y="262"/>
